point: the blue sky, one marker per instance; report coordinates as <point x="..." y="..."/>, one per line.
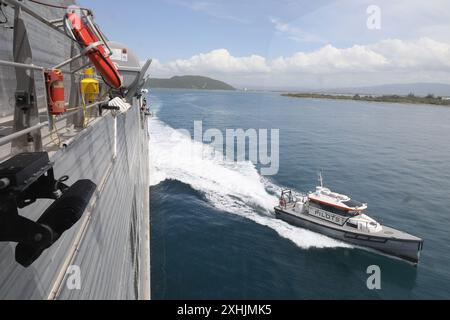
<point x="171" y="29"/>
<point x="285" y="43"/>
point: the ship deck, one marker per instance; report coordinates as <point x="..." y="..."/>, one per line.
<point x="52" y="139"/>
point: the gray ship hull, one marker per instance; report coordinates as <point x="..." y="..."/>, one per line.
<point x="392" y="242"/>
<point x="108" y="250"/>
<point x="110" y="245"/>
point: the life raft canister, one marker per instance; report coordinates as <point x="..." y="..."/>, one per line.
<point x="97" y="54"/>
<point x="54" y="83"/>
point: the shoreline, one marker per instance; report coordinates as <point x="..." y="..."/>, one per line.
<point x="410" y="99"/>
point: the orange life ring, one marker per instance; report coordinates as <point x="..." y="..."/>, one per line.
<point x="97" y="53"/>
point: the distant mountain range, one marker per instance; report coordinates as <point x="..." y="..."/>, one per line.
<point x="418" y="89"/>
<point x="189" y="82"/>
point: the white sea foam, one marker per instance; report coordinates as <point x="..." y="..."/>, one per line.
<point x="234" y="187"/>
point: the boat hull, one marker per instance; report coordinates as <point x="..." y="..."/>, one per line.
<point x="405" y="249"/>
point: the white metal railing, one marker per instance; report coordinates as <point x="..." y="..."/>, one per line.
<point x="20" y="65"/>
<point x="55" y="25"/>
<point x="50" y="122"/>
<point x="18" y="134"/>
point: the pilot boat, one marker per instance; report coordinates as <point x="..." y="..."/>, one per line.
<point x="342" y="218"/>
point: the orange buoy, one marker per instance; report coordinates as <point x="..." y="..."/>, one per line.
<point x="97" y="53"/>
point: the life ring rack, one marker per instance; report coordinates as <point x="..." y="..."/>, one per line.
<point x="93" y="43"/>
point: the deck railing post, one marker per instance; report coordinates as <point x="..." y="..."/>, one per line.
<point x="26" y="113"/>
<point x="74" y="100"/>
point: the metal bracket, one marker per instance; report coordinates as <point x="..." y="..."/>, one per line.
<point x="24" y="179"/>
<point x="287" y="196"/>
<point x="24" y="99"/>
<point x="101" y="42"/>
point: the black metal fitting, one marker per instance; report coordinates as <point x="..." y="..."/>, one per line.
<point x="24" y="179"/>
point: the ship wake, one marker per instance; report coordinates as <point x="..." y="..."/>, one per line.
<point x="233" y="187"/>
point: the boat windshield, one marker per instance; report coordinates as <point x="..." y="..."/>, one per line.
<point x="335" y="210"/>
<point x="353" y="204"/>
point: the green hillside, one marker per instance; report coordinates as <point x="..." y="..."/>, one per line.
<point x="189" y="82"/>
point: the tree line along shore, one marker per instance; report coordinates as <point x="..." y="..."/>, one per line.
<point x="409" y="99"/>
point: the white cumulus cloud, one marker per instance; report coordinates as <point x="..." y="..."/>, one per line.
<point x="386" y="61"/>
<point x="217" y="62"/>
<point x="331" y="60"/>
<point x="424" y="53"/>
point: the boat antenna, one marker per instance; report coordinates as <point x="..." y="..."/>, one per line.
<point x="320" y="179"/>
